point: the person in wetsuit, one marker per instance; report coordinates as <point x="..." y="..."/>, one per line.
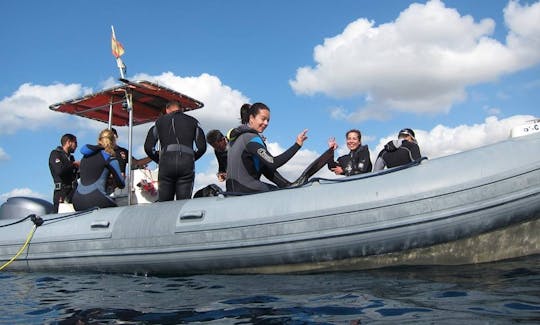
<point x="357" y="161"/>
<point x="248" y="158"/>
<point x="97" y="164"/>
<point x="398" y="152"/>
<point x="176" y="132"/>
<point x="64" y="170"/>
<point x="219" y="142"/>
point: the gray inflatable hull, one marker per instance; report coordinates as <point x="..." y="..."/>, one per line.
<point x="477" y="206"/>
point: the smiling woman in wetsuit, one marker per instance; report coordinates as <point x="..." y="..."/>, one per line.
<point x="357" y="161"/>
<point x="97" y="164"/>
<point x="248" y="157"/>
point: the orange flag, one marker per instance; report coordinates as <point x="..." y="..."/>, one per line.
<point x="117" y="48"/>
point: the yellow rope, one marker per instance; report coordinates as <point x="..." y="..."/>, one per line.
<point x="30" y="235"/>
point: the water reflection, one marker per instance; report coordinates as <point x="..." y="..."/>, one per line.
<point x="489" y="293"/>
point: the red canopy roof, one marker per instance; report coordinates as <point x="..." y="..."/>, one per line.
<point x="148" y="98"/>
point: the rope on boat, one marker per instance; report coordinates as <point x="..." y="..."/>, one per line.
<point x="37" y="222"/>
<point x="16" y="222"/>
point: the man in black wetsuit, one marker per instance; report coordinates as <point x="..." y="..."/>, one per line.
<point x="64" y="170"/>
<point x="176" y="132"/>
<point x="218" y="141"/>
<point x="398" y="152"/>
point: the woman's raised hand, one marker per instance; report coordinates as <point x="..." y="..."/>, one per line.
<point x="332" y="143"/>
<point x="300" y="138"/>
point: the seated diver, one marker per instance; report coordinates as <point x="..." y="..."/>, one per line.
<point x="398" y="152"/>
<point x="97" y="164"/>
<point x="248" y="158"/>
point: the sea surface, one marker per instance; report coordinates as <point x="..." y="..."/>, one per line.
<point x="495" y="293"/>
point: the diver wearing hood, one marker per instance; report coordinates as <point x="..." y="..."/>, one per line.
<point x="398" y="152"/>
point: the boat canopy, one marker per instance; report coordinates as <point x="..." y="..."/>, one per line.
<point x="130" y="104"/>
<point x="111" y="105"/>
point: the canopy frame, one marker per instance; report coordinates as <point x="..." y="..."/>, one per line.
<point x="129" y="104"/>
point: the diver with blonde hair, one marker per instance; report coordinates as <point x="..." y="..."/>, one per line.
<point x="97" y="164"/>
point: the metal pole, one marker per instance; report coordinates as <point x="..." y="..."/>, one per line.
<point x="111" y="112"/>
<point x="129" y="179"/>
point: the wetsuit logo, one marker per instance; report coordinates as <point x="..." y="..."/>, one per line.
<point x="265" y="155"/>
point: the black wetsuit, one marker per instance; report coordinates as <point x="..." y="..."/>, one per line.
<point x="122" y="155"/>
<point x="248" y="159"/>
<point x="64" y="174"/>
<point x="176" y="133"/>
<point x="355" y="162"/>
<point x="396" y="153"/>
<point x="221" y="157"/>
<point x="96" y="166"/>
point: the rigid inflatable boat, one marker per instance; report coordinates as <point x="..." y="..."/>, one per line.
<point x="469" y="207"/>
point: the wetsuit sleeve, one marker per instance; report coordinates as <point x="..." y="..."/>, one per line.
<point x="340" y="162"/>
<point x="114" y="167"/>
<point x="415" y="152"/>
<point x="200" y="142"/>
<point x="222" y="161"/>
<point x="257" y="148"/>
<point x="276" y="178"/>
<point x="332" y="164"/>
<point x="150" y="144"/>
<point x="380" y="164"/>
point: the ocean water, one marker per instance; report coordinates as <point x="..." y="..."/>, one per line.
<point x="495" y="293"/>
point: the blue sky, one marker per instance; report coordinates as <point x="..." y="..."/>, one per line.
<point x="460" y="73"/>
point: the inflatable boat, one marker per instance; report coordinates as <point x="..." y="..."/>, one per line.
<point x="471" y="207"/>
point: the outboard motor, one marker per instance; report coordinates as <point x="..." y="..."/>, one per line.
<point x="20" y="206"/>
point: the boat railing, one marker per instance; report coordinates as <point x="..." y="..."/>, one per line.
<point x="342" y="179"/>
<point x="366" y="175"/>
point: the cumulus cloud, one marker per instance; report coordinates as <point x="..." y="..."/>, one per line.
<point x="442" y="140"/>
<point x="422" y="62"/>
<point x="20" y="192"/>
<point x="221" y="103"/>
<point x="28" y="107"/>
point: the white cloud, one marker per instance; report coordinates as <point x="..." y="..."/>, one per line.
<point x="3" y="155"/>
<point x="21" y="192"/>
<point x="28" y="107"/>
<point x="524" y="24"/>
<point x="423" y="61"/>
<point x="221" y="103"/>
<point x="442" y="140"/>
